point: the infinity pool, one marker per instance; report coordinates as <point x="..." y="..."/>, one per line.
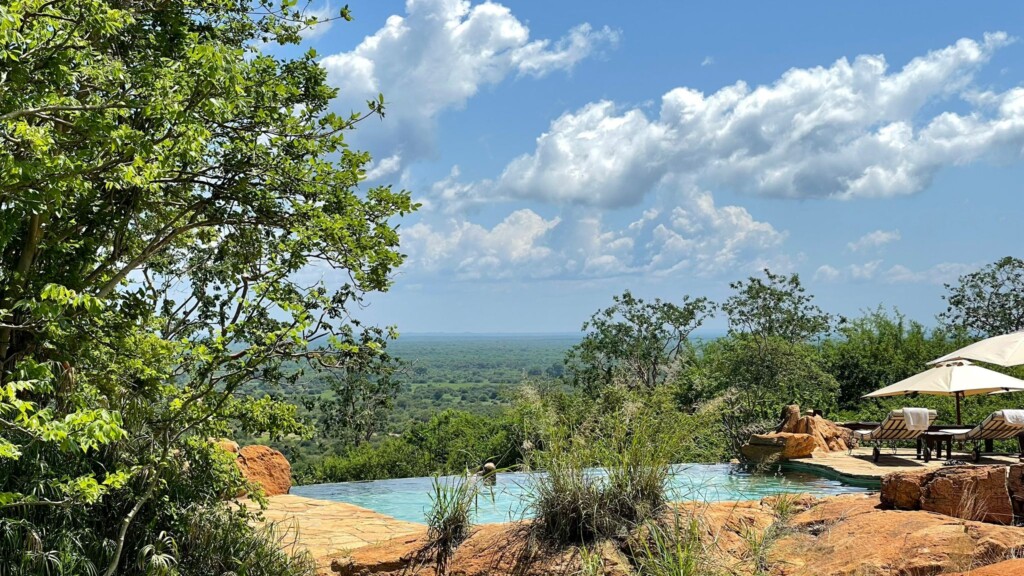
<point x="409" y="498"/>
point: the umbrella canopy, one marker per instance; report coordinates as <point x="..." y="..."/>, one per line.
<point x="1005" y="350"/>
<point x="957" y="378"/>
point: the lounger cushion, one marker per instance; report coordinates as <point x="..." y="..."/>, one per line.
<point x="994" y="427"/>
<point x="894" y="427"/>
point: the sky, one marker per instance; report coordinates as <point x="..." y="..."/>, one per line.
<point x="566" y="151"/>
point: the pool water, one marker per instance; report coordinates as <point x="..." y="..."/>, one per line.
<point x="409" y="498"/>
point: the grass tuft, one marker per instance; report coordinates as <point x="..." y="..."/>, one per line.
<point x="449" y="519"/>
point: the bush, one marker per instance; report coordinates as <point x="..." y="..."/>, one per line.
<point x="448" y="520"/>
<point x="217" y="540"/>
<point x="575" y="503"/>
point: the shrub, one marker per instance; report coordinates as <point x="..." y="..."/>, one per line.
<point x="449" y="520"/>
<point x="675" y="550"/>
<point x="218" y="540"/>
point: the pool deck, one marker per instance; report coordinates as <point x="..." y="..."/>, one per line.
<point x="857" y="468"/>
<point x="329" y="529"/>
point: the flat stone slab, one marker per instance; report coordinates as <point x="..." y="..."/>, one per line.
<point x="331" y="529"/>
<point x="859" y="467"/>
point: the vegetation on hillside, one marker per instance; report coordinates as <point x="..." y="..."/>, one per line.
<point x="165" y="182"/>
<point x="781" y="348"/>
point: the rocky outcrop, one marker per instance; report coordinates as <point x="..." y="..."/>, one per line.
<point x="267" y="467"/>
<point x="785" y="445"/>
<point x="490" y="550"/>
<point x="970" y="492"/>
<point x="797" y="437"/>
<point x="1007" y="568"/>
<point x="838" y="536"/>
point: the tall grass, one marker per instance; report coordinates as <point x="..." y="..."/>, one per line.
<point x="603" y="487"/>
<point x="673" y="550"/>
<point x="450" y="517"/>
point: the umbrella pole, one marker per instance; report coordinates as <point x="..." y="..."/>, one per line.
<point x="958" y="408"/>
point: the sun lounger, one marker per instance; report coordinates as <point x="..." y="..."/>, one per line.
<point x="999" y="425"/>
<point x="894" y="428"/>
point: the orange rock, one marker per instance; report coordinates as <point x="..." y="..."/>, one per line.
<point x="837" y="536"/>
<point x="266" y="467"/>
<point x="969" y="492"/>
<point x="490" y="550"/>
<point x="1007" y="568"/>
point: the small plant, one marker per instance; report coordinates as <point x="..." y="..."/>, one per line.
<point x="449" y="519"/>
<point x="591" y="563"/>
<point x="673" y="551"/>
<point x="785" y="507"/>
<point x="759" y="546"/>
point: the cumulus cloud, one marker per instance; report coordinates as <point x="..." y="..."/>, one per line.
<point x="438" y="56"/>
<point x="854" y="129"/>
<point x="690" y="234"/>
<point x="826" y="273"/>
<point x="873" y="240"/>
<point x="941" y="273"/>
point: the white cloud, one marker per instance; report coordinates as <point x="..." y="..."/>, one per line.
<point x="872" y="240"/>
<point x="826" y="273"/>
<point x="941" y="273"/>
<point x="865" y="271"/>
<point x="694" y="235"/>
<point x="851" y="130"/>
<point x="472" y="251"/>
<point x="707" y="61"/>
<point x="383" y="168"/>
<point x="438" y="56"/>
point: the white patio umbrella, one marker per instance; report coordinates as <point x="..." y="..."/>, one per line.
<point x="956" y="378"/>
<point x="1005" y="350"/>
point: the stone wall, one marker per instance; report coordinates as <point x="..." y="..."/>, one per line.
<point x="992" y="494"/>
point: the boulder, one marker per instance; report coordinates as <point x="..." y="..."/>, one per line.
<point x="797" y="437"/>
<point x="828" y="436"/>
<point x="968" y="492"/>
<point x="787" y="445"/>
<point x="266" y="467"/>
<point x="1015" y="486"/>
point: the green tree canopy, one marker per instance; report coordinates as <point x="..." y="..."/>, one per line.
<point x="988" y="302"/>
<point x="775" y="307"/>
<point x="172" y="195"/>
<point x="634" y="340"/>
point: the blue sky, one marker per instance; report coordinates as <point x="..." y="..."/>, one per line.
<point x="566" y="151"/>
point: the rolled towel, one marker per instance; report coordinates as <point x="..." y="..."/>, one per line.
<point x="916" y="418"/>
<point x="1014" y="417"/>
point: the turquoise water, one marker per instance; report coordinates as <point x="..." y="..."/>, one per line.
<point x="409" y="498"/>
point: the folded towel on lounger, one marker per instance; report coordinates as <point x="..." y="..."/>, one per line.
<point x="1014" y="417"/>
<point x="916" y="418"/>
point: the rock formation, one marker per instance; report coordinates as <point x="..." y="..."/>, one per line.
<point x="983" y="493"/>
<point x="262" y="465"/>
<point x="797" y="437"/>
<point x="837" y="536"/>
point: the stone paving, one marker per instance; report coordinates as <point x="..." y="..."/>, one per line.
<point x="858" y="465"/>
<point x="329" y="529"/>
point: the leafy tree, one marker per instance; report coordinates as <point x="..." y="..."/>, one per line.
<point x="988" y="302"/>
<point x="359" y="401"/>
<point x="767" y="360"/>
<point x="166" y="186"/>
<point x="755" y="378"/>
<point x="634" y="340"/>
<point x="879" y="349"/>
<point x="776" y="307"/>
